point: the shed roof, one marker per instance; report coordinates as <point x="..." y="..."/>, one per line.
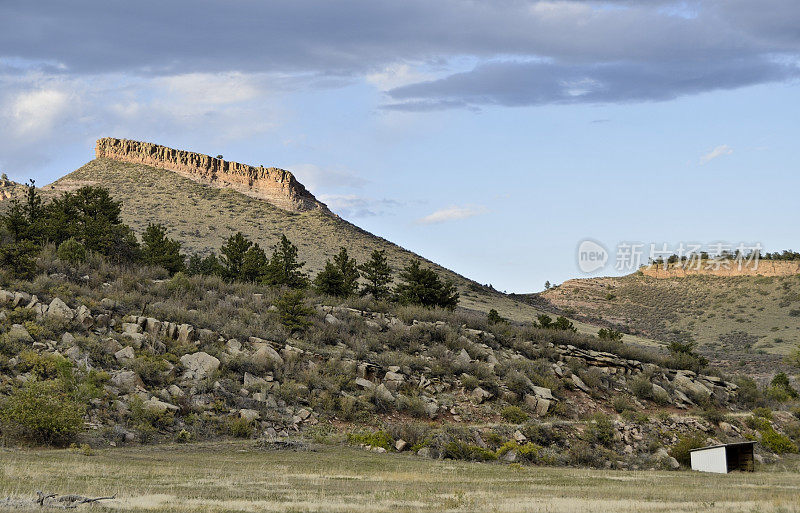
<point x="735" y="444"/>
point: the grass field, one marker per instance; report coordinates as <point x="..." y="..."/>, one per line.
<point x="238" y="477"/>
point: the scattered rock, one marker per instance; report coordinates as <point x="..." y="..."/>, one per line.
<point x="199" y="365"/>
<point x="59" y="309"/>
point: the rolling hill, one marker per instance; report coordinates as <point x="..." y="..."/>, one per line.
<point x="202" y="209"/>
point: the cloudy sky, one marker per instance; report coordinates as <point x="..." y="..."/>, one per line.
<point x="491" y="136"/>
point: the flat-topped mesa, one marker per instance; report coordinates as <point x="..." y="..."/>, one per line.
<point x="277" y="186"/>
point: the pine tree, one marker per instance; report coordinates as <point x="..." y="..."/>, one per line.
<point x="348" y="267"/>
<point x="284" y="268"/>
<point x="422" y="286"/>
<point x="330" y="281"/>
<point x="205" y="266"/>
<point x="160" y="250"/>
<point x="378" y="275"/>
<point x="92" y="217"/>
<point x="254" y="263"/>
<point x="233" y="252"/>
<point x="292" y="311"/>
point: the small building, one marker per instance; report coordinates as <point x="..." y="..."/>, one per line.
<point x="723" y="458"/>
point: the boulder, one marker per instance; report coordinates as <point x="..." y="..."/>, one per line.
<point x="18" y="332"/>
<point x="159" y="406"/>
<point x="67" y="339"/>
<point x="84" y="316"/>
<point x="691" y="387"/>
<point x="580" y="384"/>
<point x="249" y="415"/>
<point x="543" y="393"/>
<point x="478" y="395"/>
<point x="463" y="357"/>
<point x="59" y="309"/>
<point x="251" y="381"/>
<point x="186" y="333"/>
<point x="400" y="445"/>
<point x="199" y="365"/>
<point x="125" y="353"/>
<point x="127" y="380"/>
<point x="383" y="393"/>
<point x="266" y="357"/>
<point x="330" y="319"/>
<point x="131" y="328"/>
<point x="365" y="383"/>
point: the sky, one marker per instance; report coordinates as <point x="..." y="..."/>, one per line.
<point x="492" y="137"/>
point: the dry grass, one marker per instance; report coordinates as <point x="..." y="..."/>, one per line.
<point x="237" y="477"/>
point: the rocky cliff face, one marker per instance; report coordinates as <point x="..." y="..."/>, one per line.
<point x="727" y="268"/>
<point x="277" y="186"/>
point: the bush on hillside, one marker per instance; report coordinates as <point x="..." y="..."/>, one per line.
<point x="41" y="413"/>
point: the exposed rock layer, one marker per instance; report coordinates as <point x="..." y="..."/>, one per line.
<point x="277" y="186"/>
<point x="726" y="268"/>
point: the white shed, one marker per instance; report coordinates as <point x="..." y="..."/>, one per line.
<point x="723" y="458"/>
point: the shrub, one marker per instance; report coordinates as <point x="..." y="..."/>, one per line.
<point x="378" y="438"/>
<point x="183" y="437"/>
<point x="642" y="387"/>
<point x="494" y="317"/>
<point x="71" y="251"/>
<point x="600" y="430"/>
<point x="681" y="450"/>
<point x="457" y="450"/>
<point x="622" y="403"/>
<point x="764" y="413"/>
<point x="42" y="412"/>
<point x="528" y="451"/>
<point x="609" y="334"/>
<point x="514" y="414"/>
<point x="713" y="415"/>
<point x="240" y="428"/>
<point x="777" y="442"/>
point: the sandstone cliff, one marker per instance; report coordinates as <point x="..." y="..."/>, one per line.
<point x="728" y="268"/>
<point x="277" y="186"/>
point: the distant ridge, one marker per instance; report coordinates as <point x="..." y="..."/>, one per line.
<point x="277" y="186"/>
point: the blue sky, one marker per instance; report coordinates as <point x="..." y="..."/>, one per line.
<point x="491" y="137"/>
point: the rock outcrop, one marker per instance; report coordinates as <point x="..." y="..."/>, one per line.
<point x="277" y="186"/>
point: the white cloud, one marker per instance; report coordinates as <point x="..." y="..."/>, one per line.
<point x="719" y="151"/>
<point x="451" y="214"/>
<point x="35" y="113"/>
<point x="396" y="75"/>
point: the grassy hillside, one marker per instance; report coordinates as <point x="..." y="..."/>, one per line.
<point x="744" y="315"/>
<point x="202" y="217"/>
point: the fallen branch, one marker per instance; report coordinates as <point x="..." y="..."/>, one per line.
<point x="54" y="500"/>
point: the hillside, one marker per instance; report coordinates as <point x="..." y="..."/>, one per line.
<point x="202" y="213"/>
<point x="755" y="319"/>
<point x="131" y="357"/>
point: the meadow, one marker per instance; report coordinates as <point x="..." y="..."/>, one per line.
<point x="239" y="476"/>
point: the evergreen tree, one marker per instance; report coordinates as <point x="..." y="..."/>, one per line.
<point x="330" y="281"/>
<point x="422" y="286"/>
<point x="494" y="317"/>
<point x="378" y="275"/>
<point x="233" y="252"/>
<point x="254" y="263"/>
<point x="292" y="311"/>
<point x="19" y="256"/>
<point x="283" y="267"/>
<point x="92" y="217"/>
<point x="205" y="266"/>
<point x="609" y="334"/>
<point x="349" y="269"/>
<point x="160" y="250"/>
